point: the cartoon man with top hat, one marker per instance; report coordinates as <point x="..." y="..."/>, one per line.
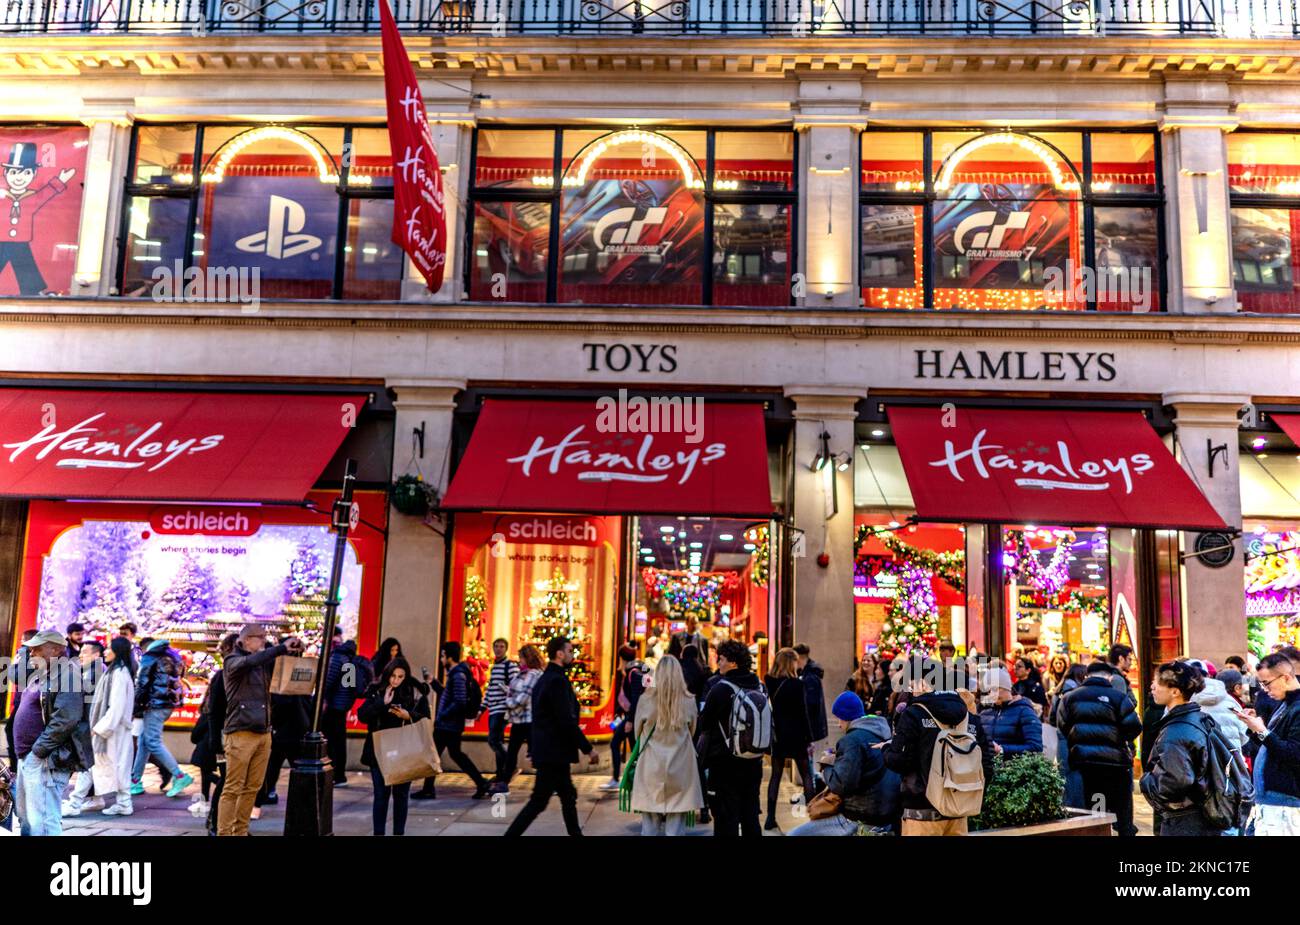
<point x="17" y="222"/>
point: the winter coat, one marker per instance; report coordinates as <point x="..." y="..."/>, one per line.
<point x="1099" y="723"/>
<point x="813" y="676"/>
<point x="711" y="742"/>
<point x="557" y="736"/>
<point x="110" y="727"/>
<point x="1014" y="725"/>
<point x="453" y="700"/>
<point x="791" y="726"/>
<point x="216" y="707"/>
<point x="1177" y="777"/>
<point x="158" y="681"/>
<point x="374" y="713"/>
<point x="630" y="684"/>
<point x="1280" y="751"/>
<point x="911" y="750"/>
<point x="1054" y="714"/>
<point x="695" y="677"/>
<point x="247" y="678"/>
<point x="1216" y="702"/>
<point x="879" y="704"/>
<point x="341" y="692"/>
<point x="869" y="790"/>
<point x="667" y="776"/>
<point x="1031" y="690"/>
<point x="290" y="720"/>
<point x="65" y="740"/>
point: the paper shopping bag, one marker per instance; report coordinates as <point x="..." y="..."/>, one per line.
<point x="294" y="676"/>
<point x="406" y="753"/>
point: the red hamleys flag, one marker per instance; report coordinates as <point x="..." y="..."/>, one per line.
<point x="419" y="223"/>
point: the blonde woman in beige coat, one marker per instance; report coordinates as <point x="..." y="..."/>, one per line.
<point x="666" y="784"/>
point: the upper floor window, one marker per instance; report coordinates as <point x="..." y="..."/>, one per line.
<point x="40" y="201"/>
<point x="1264" y="183"/>
<point x="309" y="209"/>
<point x="1003" y="220"/>
<point x="670" y="217"/>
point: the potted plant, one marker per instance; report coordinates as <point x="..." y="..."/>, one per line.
<point x="1025" y="798"/>
<point x="412" y="495"/>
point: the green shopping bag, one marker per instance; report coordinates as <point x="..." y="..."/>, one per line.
<point x="629" y="773"/>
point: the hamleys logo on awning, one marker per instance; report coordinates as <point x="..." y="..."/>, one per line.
<point x="639" y="465"/>
<point x="1048" y="468"/>
<point x="83" y="446"/>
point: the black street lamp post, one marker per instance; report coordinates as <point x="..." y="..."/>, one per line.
<point x="310" y="809"/>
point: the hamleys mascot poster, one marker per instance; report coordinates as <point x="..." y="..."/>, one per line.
<point x="41" y="174"/>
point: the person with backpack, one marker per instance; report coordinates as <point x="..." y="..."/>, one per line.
<point x="347" y="677"/>
<point x="791" y="730"/>
<point x="519" y="704"/>
<point x="735" y="732"/>
<point x="503" y="671"/>
<point x="1176" y="779"/>
<point x="1100" y="723"/>
<point x="1277" y="764"/>
<point x="157" y="694"/>
<point x="460" y="700"/>
<point x="557" y="737"/>
<point x="628" y="686"/>
<point x="940" y="752"/>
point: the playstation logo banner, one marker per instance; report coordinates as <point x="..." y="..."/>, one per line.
<point x="419" y="223"/>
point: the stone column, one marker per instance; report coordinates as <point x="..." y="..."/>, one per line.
<point x="830" y="120"/>
<point x="823" y="597"/>
<point x="1198" y="226"/>
<point x="451" y="134"/>
<point x="415" y="564"/>
<point x="1214" y="606"/>
<point x="101" y="200"/>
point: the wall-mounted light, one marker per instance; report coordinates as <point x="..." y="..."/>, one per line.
<point x="843" y="461"/>
<point x="824" y="454"/>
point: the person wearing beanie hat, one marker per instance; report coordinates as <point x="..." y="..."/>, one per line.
<point x="860" y="790"/>
<point x="1010" y="721"/>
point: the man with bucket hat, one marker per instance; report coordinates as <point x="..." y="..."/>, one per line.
<point x="17" y="221"/>
<point x="51" y="734"/>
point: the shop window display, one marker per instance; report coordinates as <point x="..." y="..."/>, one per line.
<point x="41" y="181"/>
<point x="1272" y="585"/>
<point x="192" y="574"/>
<point x="630" y="216"/>
<point x="270" y="199"/>
<point x="1058" y="591"/>
<point x="1009" y="216"/>
<point x="1264" y="180"/>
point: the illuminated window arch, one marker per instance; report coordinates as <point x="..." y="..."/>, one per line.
<point x="579" y="168"/>
<point x="326" y="169"/>
<point x="1048" y="154"/>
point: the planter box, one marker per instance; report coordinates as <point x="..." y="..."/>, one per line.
<point x="1077" y="822"/>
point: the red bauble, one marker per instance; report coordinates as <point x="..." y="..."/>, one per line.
<point x="823" y="560"/>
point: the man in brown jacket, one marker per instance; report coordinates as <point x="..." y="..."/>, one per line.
<point x="246" y="676"/>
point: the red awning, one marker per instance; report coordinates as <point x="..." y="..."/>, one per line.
<point x="1058" y="467"/>
<point x="191" y="446"/>
<point x="583" y="457"/>
<point x="1290" y="424"/>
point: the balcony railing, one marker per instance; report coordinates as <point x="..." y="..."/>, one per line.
<point x="797" y="18"/>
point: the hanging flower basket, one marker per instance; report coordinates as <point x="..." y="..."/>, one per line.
<point x="412" y="495"/>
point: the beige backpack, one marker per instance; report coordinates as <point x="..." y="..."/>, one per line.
<point x="955" y="787"/>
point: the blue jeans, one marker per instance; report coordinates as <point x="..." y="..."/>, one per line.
<point x="400" y="795"/>
<point x="40" y="793"/>
<point x="831" y="825"/>
<point x="151" y="743"/>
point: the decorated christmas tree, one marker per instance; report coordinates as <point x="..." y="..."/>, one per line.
<point x="237" y="598"/>
<point x="191" y="595"/>
<point x="475" y="607"/>
<point x="305" y="594"/>
<point x="111" y="589"/>
<point x="913" y="620"/>
<point x="556" y="613"/>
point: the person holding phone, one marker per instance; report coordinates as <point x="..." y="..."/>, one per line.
<point x="1277" y="766"/>
<point x="392" y="701"/>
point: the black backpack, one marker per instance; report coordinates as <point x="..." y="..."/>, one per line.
<point x="473" y="694"/>
<point x="1229" y="789"/>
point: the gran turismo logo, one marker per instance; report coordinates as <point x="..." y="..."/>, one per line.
<point x="283" y="237"/>
<point x="987" y="244"/>
<point x="626" y="231"/>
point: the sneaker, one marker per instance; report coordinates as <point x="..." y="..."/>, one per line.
<point x="178" y="785"/>
<point x="611" y="784"/>
<point x="257" y="813"/>
<point x="69" y="809"/>
<point x="137" y="788"/>
<point x="119" y="809"/>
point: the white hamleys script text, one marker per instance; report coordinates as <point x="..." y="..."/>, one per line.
<point x="78" y="449"/>
<point x="1052" y="472"/>
<point x="618" y="467"/>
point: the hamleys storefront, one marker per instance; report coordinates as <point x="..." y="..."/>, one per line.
<point x="188" y="513"/>
<point x="1014" y="526"/>
<point x="613" y="521"/>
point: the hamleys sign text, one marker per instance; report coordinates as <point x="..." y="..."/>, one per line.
<point x="641" y="465"/>
<point x="1049" y="472"/>
<point x="85" y="445"/>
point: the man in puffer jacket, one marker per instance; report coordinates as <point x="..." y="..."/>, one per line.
<point x="867" y="789"/>
<point x="343" y="687"/>
<point x="1100" y="723"/>
<point x="157" y="694"/>
<point x="1011" y="722"/>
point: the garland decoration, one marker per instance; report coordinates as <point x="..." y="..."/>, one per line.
<point x="688" y="593"/>
<point x="913" y="620"/>
<point x="1022" y="563"/>
<point x="759" y="557"/>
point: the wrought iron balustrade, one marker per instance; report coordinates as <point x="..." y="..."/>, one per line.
<point x="797" y="18"/>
